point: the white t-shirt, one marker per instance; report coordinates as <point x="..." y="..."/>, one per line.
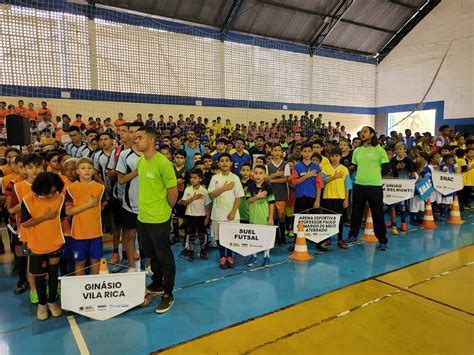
<point x="197" y="207"/>
<point x="222" y="204"/>
<point x="127" y="163"/>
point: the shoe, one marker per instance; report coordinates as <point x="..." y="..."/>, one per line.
<point x="55" y="310"/>
<point x="291" y="248"/>
<point x="191" y="255"/>
<point x="414" y="223"/>
<point x="351" y="239"/>
<point x="154" y="290"/>
<point x="342" y="244"/>
<point x="404" y="227"/>
<point x="131" y="269"/>
<point x="183" y="253"/>
<point x="382" y="247"/>
<point x="223" y="263"/>
<point x="115" y="258"/>
<point x="42" y="313"/>
<point x="19" y="289"/>
<point x="347" y="224"/>
<point x="388" y="224"/>
<point x="326" y="243"/>
<point x="252" y="260"/>
<point x="174" y="241"/>
<point x="120" y="266"/>
<point x="394" y="231"/>
<point x="34" y="297"/>
<point x="322" y="248"/>
<point x="291" y="234"/>
<point x="213" y="244"/>
<point x="203" y="254"/>
<point x="230" y="262"/>
<point x="165" y="304"/>
<point x="266" y="262"/>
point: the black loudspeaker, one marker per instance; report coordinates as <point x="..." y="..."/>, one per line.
<point x="18" y="130"/>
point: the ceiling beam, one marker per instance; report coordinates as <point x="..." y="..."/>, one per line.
<point x="322" y="15"/>
<point x="405" y="5"/>
<point x="348" y="50"/>
<point x="406" y="28"/>
<point x="329" y="23"/>
<point x="231" y="17"/>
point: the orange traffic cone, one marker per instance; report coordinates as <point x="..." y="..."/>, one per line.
<point x="428" y="220"/>
<point x="369" y="235"/>
<point x="104" y="269"/>
<point x="301" y="250"/>
<point x="455" y="214"/>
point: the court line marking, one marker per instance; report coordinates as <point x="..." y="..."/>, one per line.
<point x="344" y="313"/>
<point x="76" y="332"/>
<point x="399" y="290"/>
<point x="205" y="335"/>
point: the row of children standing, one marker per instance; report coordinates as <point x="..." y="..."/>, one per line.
<point x="42" y="207"/>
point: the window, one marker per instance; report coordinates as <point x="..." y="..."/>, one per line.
<point x="418" y="121"/>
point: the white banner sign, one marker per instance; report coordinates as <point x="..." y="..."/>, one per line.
<point x="246" y="239"/>
<point x="102" y="296"/>
<point x="397" y="190"/>
<point x="446" y="183"/>
<point x="318" y="227"/>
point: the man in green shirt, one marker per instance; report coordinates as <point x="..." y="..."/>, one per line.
<point x="158" y="193"/>
<point x="371" y="162"/>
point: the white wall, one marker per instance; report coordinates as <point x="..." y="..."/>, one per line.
<point x="405" y="75"/>
<point x="69" y="51"/>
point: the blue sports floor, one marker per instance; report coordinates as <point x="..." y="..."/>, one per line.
<point x="208" y="299"/>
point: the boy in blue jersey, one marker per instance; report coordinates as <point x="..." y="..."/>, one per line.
<point x="308" y="179"/>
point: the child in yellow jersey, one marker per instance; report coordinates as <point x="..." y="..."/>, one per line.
<point x="84" y="199"/>
<point x="41" y="213"/>
<point x="318" y="148"/>
<point x="467" y="179"/>
<point x="336" y="189"/>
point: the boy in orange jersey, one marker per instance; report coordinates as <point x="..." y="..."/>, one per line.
<point x="83" y="202"/>
<point x="41" y="213"/>
<point x="33" y="165"/>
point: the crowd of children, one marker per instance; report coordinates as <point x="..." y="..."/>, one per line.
<point x="59" y="203"/>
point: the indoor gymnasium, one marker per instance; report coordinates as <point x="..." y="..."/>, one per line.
<point x="236" y="177"/>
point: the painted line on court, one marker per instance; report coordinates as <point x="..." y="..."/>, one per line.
<point x="398" y="290"/>
<point x="205" y="335"/>
<point x="76" y="332"/>
<point x="323" y="321"/>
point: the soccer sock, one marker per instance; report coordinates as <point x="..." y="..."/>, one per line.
<point x="413" y="216"/>
<point x="63" y="266"/>
<point x="229" y="253"/>
<point x="402" y="216"/>
<point x="176" y="229"/>
<point x="115" y="250"/>
<point x="124" y="254"/>
<point x="21" y="264"/>
<point x="191" y="238"/>
<point x="53" y="271"/>
<point x="221" y="251"/>
<point x="202" y="240"/>
<point x="40" y="282"/>
<point x="282" y="229"/>
<point x="266" y="253"/>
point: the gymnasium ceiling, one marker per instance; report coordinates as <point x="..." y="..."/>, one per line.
<point x="367" y="27"/>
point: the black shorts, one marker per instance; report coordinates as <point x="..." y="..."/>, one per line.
<point x="179" y="211"/>
<point x="116" y="208"/>
<point x="14" y="240"/>
<point x="195" y="223"/>
<point x="39" y="262"/>
<point x="129" y="219"/>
